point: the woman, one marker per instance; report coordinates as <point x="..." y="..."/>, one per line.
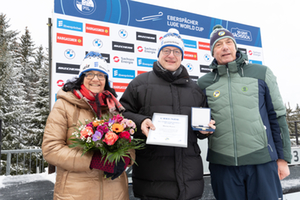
<point x="84" y="176"/>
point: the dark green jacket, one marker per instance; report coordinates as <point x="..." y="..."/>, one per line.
<point x="250" y="116"/>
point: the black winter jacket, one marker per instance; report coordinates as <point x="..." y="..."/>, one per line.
<point x="164" y="172"/>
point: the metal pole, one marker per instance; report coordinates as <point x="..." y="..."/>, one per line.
<point x="51" y="168"/>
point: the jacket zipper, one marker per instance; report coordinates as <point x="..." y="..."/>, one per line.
<point x="232" y="117"/>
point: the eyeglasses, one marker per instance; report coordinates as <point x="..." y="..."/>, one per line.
<point x="167" y="52"/>
<point x="90" y="76"/>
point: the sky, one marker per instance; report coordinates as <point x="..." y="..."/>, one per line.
<point x="278" y="21"/>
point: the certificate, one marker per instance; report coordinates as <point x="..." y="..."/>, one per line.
<point x="170" y="130"/>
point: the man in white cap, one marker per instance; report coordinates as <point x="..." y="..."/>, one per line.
<point x="165" y="172"/>
<point x="249" y="151"/>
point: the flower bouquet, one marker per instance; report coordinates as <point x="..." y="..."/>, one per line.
<point x="112" y="136"/>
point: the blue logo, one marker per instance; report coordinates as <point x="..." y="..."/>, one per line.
<point x="97" y="43"/>
<point x="240" y="34"/>
<point x="69" y="53"/>
<point x="255" y="62"/>
<point x="69" y="25"/>
<point x="151" y="17"/>
<point x="190" y="43"/>
<point x="207" y="57"/>
<point x="123" y="73"/>
<point x="123" y="33"/>
<point x="189" y="67"/>
<point x="85" y="7"/>
<point x="145" y="62"/>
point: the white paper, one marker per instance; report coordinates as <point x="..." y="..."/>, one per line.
<point x="170" y="130"/>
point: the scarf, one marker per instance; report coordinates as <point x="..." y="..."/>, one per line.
<point x="168" y="75"/>
<point x="103" y="99"/>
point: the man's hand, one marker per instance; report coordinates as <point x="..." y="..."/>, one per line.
<point x="283" y="169"/>
<point x="146" y="124"/>
<point x="211" y="125"/>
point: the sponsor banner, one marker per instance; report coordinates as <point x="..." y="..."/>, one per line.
<point x="125" y="60"/>
<point x="255" y="62"/>
<point x="190" y="55"/>
<point x="140" y="72"/>
<point x="69" y="25"/>
<point x="145" y="62"/>
<point x="155" y="18"/>
<point x="204" y="46"/>
<point x="190" y="43"/>
<point x="243" y="50"/>
<point x="120" y="46"/>
<point x="69" y="39"/>
<point x="146" y="37"/>
<point x="120" y="87"/>
<point x="204" y="69"/>
<point x="67" y="68"/>
<point x="95" y="29"/>
<point x="123" y="73"/>
<point x="194" y="78"/>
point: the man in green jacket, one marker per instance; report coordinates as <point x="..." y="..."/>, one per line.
<point x="250" y="149"/>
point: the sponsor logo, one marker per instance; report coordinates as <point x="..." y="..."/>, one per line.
<point x="240" y="34"/>
<point x="60" y="83"/>
<point x="69" y="39"/>
<point x="67" y="68"/>
<point x="123" y="33"/>
<point x="141" y="72"/>
<point x="254" y="53"/>
<point x="190" y="43"/>
<point x="151" y="17"/>
<point x="145" y="62"/>
<point x="194" y="78"/>
<point x="189" y="67"/>
<point x="120" y="87"/>
<point x="106" y="57"/>
<point x="146" y="50"/>
<point x="204" y="46"/>
<point x="207" y="57"/>
<point x="85" y="7"/>
<point x="123" y="73"/>
<point x="216" y="93"/>
<point x="69" y="53"/>
<point x="97" y="43"/>
<point x="140" y="49"/>
<point x="119" y="46"/>
<point x="95" y="29"/>
<point x="145" y="37"/>
<point x="204" y="69"/>
<point x="69" y="25"/>
<point x="243" y="50"/>
<point x="190" y="55"/>
<point x="255" y="62"/>
<point x="129" y="61"/>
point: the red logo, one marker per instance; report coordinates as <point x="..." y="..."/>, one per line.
<point x="69" y="39"/>
<point x="140" y="48"/>
<point x="120" y="87"/>
<point x="190" y="55"/>
<point x="116" y="59"/>
<point x="100" y="30"/>
<point x="250" y="52"/>
<point x="60" y="83"/>
<point x="204" y="46"/>
<point x="141" y="72"/>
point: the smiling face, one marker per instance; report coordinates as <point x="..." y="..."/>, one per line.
<point x="224" y="51"/>
<point x="170" y="62"/>
<point x="94" y="85"/>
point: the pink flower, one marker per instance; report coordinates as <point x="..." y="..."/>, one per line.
<point x="130" y="123"/>
<point x="126" y="135"/>
<point x="117" y="118"/>
<point x="110" y="138"/>
<point x="131" y="131"/>
<point x="87" y="131"/>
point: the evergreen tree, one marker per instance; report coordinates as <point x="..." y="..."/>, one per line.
<point x="9" y="86"/>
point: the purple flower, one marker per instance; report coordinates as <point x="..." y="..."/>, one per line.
<point x="97" y="136"/>
<point x="90" y="124"/>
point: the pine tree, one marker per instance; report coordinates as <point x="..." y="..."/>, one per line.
<point x="9" y="86"/>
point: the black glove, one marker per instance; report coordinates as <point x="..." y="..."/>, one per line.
<point x="118" y="169"/>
